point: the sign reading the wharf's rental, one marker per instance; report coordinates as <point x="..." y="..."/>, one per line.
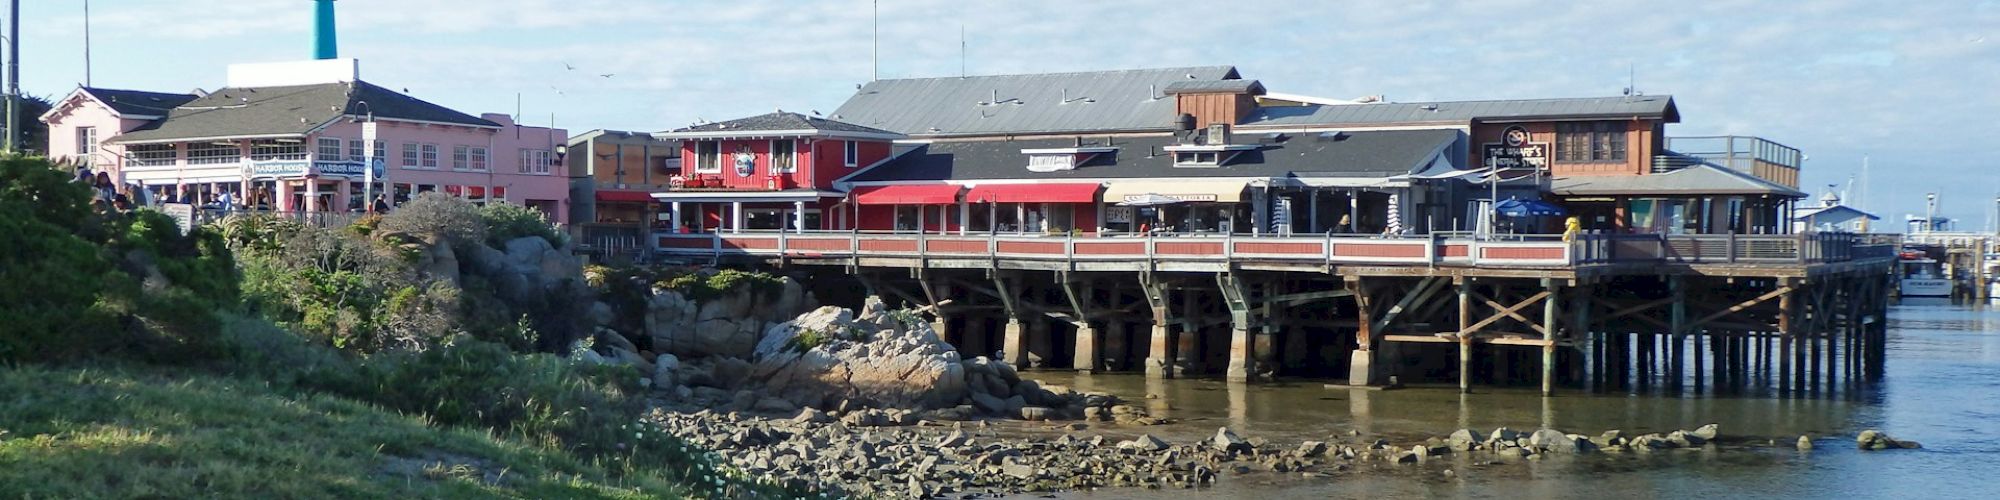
<point x="300" y="168"/>
<point x="1181" y="197"/>
<point x="1514" y="151"/>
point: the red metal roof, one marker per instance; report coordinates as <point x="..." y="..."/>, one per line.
<point x="626" y="196"/>
<point x="1033" y="193"/>
<point x="935" y="194"/>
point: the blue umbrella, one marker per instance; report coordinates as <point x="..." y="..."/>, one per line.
<point x="1515" y="207"/>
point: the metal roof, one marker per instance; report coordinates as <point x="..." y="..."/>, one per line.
<point x="1047" y="103"/>
<point x="289" y="111"/>
<point x="1463" y="112"/>
<point x="782" y="121"/>
<point x="138" y="102"/>
<point x="1383" y="153"/>
<point x="1214" y="86"/>
<point x="1696" y="180"/>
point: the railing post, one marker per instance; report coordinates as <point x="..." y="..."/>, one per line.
<point x="1732" y="247"/>
<point x="782" y="242"/>
<point x="1152" y="257"/>
<point x="1069" y="248"/>
<point x="1229" y="247"/>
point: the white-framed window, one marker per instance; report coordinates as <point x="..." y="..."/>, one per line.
<point x="477" y="158"/>
<point x="461" y="157"/>
<point x="430" y="156"/>
<point x="850" y="153"/>
<point x="210" y="153"/>
<point x="382" y="150"/>
<point x="411" y="154"/>
<point x="708" y="157"/>
<point x="329" y="148"/>
<point x="534" y="161"/>
<point x="357" y="150"/>
<point x="86" y="140"/>
<point x="784" y="156"/>
<point x="151" y="155"/>
<point x="277" y="149"/>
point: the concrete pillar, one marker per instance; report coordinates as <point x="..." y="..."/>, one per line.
<point x="675" y="214"/>
<point x="1014" y="344"/>
<point x="1239" y="347"/>
<point x="1464" y="337"/>
<point x="735" y="217"/>
<point x="1158" y="348"/>
<point x="1086" y="356"/>
<point x="312" y="195"/>
<point x="1549" y="308"/>
<point x="939" y="325"/>
<point x="799" y="219"/>
<point x="345" y="191"/>
<point x="1187" y="353"/>
<point x="284" y="195"/>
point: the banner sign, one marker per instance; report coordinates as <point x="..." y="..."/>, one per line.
<point x="1514" y="151"/>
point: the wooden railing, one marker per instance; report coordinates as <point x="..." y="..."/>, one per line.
<point x="1540" y="251"/>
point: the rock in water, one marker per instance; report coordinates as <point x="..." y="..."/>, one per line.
<point x="1228" y="441"/>
<point x="1805" y="443"/>
<point x="1872" y="439"/>
<point x="1145" y="442"/>
<point x="1706" y="432"/>
<point x="1552" y="440"/>
<point x="828" y="355"/>
<point x="1463" y="439"/>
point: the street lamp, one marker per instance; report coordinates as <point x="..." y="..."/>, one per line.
<point x="367" y="158"/>
<point x="1930" y="212"/>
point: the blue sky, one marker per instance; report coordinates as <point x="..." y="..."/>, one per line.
<point x="1911" y="84"/>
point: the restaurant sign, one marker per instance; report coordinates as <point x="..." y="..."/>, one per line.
<point x="273" y="169"/>
<point x="1514" y="151"/>
<point x="1181" y="197"/>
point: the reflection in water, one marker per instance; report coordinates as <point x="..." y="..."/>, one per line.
<point x="1941" y="388"/>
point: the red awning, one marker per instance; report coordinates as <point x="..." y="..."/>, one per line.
<point x="1033" y="193"/>
<point x="625" y="196"/>
<point x="934" y="194"/>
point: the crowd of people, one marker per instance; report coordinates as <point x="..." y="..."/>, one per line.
<point x="111" y="196"/>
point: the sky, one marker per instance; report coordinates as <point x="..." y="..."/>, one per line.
<point x="1909" y="85"/>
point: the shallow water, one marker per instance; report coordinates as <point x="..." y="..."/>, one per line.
<point x="1941" y="388"/>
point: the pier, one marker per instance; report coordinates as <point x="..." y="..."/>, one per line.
<point x="1802" y="314"/>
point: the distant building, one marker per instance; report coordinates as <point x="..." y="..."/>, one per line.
<point x="1831" y="215"/>
<point x="774" y="171"/>
<point x="289" y="137"/>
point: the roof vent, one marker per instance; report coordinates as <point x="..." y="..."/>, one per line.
<point x="1332" y="136"/>
<point x="1431" y="108"/>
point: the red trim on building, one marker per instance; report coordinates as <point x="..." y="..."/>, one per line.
<point x="625" y="196"/>
<point x="1033" y="193"/>
<point x="907" y="195"/>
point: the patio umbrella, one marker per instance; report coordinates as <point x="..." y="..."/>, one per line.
<point x="1395" y="216"/>
<point x="1515" y="207"/>
<point x="1148" y="200"/>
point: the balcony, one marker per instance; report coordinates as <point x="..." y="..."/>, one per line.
<point x="1755" y="156"/>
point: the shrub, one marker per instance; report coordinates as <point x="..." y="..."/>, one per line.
<point x="435" y="214"/>
<point x="505" y="222"/>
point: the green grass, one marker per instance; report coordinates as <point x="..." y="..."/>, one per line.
<point x="155" y="433"/>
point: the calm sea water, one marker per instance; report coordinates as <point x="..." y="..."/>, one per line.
<point x="1942" y="388"/>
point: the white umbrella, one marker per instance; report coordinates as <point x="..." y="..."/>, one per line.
<point x="1148" y="200"/>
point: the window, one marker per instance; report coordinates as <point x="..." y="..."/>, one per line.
<point x="151" y="155"/>
<point x="382" y="150"/>
<point x="782" y="157"/>
<point x="430" y="156"/>
<point x="277" y="149"/>
<point x="86" y="140"/>
<point x="534" y="161"/>
<point x="1195" y="159"/>
<point x="329" y="149"/>
<point x="461" y="157"/>
<point x="209" y="153"/>
<point x="850" y="153"/>
<point x="477" y="158"/>
<point x="356" y="151"/>
<point x="1590" y="142"/>
<point x="708" y="157"/>
<point x="410" y="155"/>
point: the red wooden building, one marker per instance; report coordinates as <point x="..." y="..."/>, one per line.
<point x="768" y="172"/>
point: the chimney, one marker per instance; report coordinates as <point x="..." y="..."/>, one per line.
<point x="1218" y="134"/>
<point x="323" y="39"/>
<point x="1215" y="101"/>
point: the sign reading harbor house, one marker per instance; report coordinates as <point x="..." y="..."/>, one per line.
<point x="302" y="168"/>
<point x="1514" y="151"/>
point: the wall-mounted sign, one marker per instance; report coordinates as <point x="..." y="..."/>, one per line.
<point x="746" y="163"/>
<point x="1117" y="214"/>
<point x="1514" y="151"/>
<point x="1181" y="197"/>
<point x="273" y="169"/>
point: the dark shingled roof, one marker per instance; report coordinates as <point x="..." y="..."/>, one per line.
<point x="1044" y="103"/>
<point x="1461" y="112"/>
<point x="289" y="110"/>
<point x="1214" y="86"/>
<point x="1353" y="154"/>
<point x="138" y="102"/>
<point x="783" y="120"/>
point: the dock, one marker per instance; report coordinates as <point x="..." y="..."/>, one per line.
<point x="1800" y="313"/>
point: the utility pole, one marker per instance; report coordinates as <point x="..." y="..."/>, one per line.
<point x="13" y="76"/>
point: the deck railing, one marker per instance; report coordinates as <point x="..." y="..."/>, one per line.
<point x="1538" y="251"/>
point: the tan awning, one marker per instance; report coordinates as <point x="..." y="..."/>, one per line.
<point x="1220" y="190"/>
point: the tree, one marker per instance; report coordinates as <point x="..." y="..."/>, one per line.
<point x="36" y="142"/>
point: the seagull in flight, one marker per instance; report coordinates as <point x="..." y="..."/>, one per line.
<point x="607" y="75"/>
<point x="567" y="66"/>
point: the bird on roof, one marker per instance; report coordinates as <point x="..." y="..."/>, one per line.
<point x="815" y="112"/>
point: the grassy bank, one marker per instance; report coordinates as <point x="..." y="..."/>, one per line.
<point x="143" y="432"/>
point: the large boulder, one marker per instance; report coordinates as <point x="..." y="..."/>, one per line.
<point x="830" y="354"/>
<point x="1877" y="440"/>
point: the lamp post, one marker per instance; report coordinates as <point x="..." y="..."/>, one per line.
<point x="368" y="158"/>
<point x="1930" y="212"/>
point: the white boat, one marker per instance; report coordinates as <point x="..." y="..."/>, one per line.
<point x="1921" y="277"/>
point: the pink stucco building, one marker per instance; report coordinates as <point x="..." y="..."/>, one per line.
<point x="293" y="137"/>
